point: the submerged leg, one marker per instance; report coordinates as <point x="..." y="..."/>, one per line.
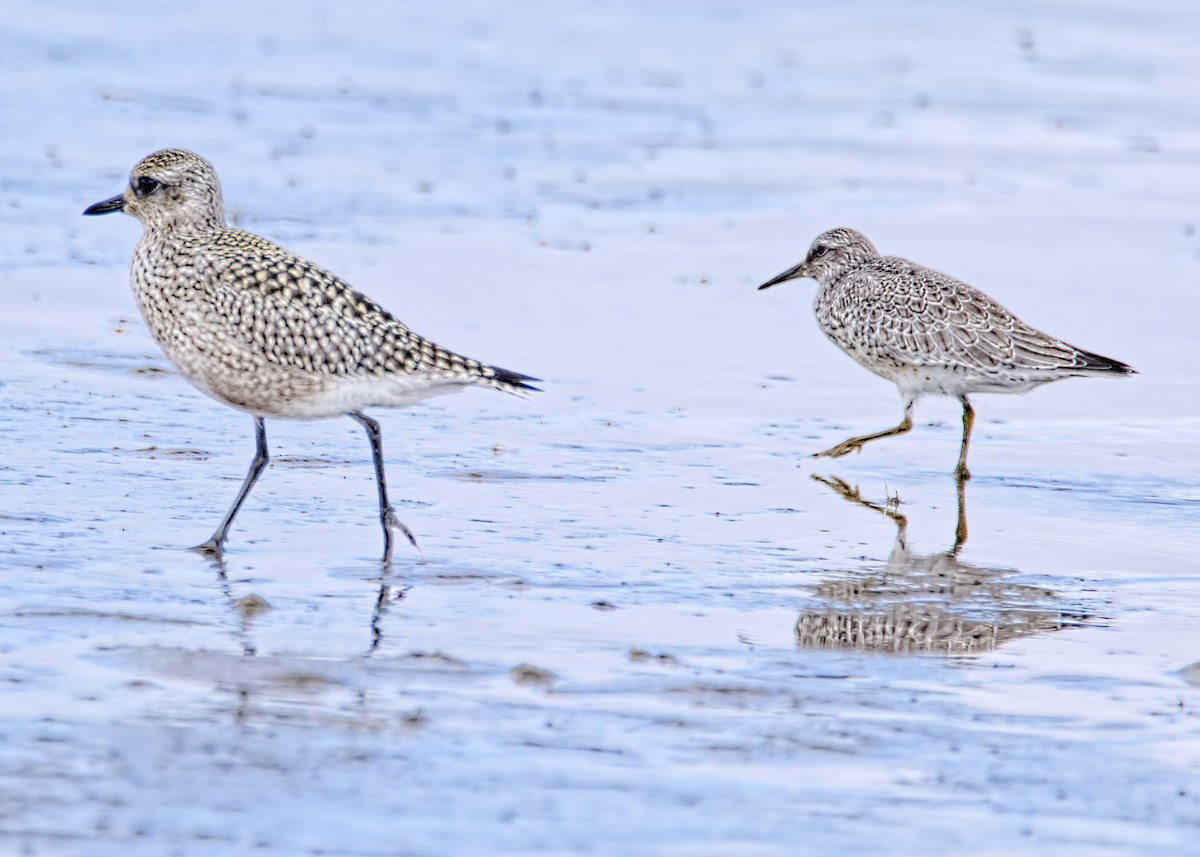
<point x="968" y="423"/>
<point x="216" y="543"/>
<point x="960" y="529"/>
<point x="387" y="515"/>
<point x="856" y="443"/>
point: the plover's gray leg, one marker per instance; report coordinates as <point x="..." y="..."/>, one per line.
<point x="387" y="515"/>
<point x="216" y="543"/>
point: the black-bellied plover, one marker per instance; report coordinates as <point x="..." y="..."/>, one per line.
<point x="928" y="333"/>
<point x="265" y="331"/>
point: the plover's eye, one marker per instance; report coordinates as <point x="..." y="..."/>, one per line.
<point x="144" y="185"/>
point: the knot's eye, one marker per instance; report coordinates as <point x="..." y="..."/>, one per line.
<point x="144" y="185"/>
<point x="819" y="250"/>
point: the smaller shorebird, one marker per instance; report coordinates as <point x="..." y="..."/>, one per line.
<point x="261" y="329"/>
<point x="928" y="333"/>
<point x="927" y="602"/>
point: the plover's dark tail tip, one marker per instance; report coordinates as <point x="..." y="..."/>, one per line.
<point x="516" y="381"/>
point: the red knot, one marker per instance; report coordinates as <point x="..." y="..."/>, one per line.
<point x="928" y="333"/>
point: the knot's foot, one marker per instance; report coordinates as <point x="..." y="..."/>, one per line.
<point x="891" y="507"/>
<point x="215" y="551"/>
<point x="841" y="486"/>
<point x="212" y="547"/>
<point x="844" y="448"/>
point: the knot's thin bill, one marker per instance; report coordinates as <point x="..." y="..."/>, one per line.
<point x="790" y="274"/>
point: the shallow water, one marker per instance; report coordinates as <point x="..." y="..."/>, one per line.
<point x="638" y="624"/>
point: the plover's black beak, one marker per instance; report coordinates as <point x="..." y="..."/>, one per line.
<point x="789" y="274"/>
<point x="117" y="203"/>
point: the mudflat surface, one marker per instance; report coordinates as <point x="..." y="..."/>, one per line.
<point x="638" y="624"/>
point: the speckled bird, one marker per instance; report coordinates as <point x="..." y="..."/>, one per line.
<point x="928" y="333"/>
<point x="261" y="329"/>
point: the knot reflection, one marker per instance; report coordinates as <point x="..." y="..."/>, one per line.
<point x="927" y="602"/>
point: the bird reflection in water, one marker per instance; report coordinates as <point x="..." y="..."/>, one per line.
<point x="247" y="608"/>
<point x="250" y="607"/>
<point x="927" y="602"/>
<point x="388" y="594"/>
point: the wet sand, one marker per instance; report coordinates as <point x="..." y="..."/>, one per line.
<point x="640" y="625"/>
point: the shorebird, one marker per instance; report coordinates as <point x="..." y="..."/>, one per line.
<point x="927" y="602"/>
<point x="928" y="333"/>
<point x="265" y="331"/>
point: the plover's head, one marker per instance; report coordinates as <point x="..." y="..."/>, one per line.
<point x="171" y="189"/>
<point x="831" y="255"/>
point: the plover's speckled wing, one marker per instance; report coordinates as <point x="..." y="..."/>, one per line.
<point x="297" y="314"/>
